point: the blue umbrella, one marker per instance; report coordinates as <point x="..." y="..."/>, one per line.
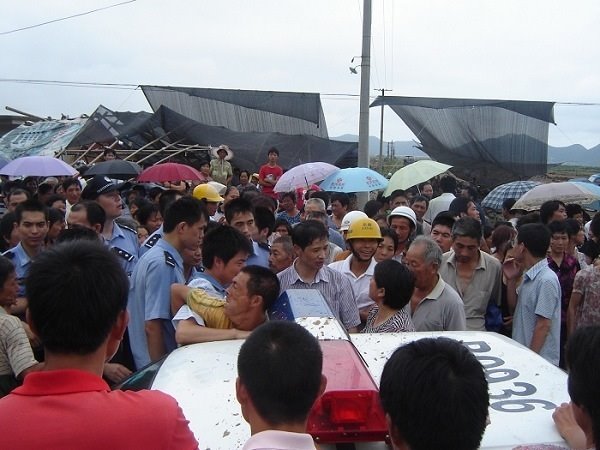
<point x="354" y="179"/>
<point x="514" y="189"/>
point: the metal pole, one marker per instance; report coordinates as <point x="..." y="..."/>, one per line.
<point x="365" y="73"/>
<point x="381" y="133"/>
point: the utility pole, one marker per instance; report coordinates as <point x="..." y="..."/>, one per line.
<point x="383" y="90"/>
<point x="365" y="74"/>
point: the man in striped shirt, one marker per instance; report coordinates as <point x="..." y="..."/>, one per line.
<point x="308" y="271"/>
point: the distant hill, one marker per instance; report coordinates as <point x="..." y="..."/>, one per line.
<point x="403" y="148"/>
<point x="576" y="154"/>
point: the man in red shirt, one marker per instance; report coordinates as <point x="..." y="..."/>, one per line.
<point x="270" y="173"/>
<point x="77" y="295"/>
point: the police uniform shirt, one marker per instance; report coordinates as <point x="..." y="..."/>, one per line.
<point x="151" y="240"/>
<point x="22" y="262"/>
<point x="124" y="244"/>
<point x="260" y="255"/>
<point x="150" y="297"/>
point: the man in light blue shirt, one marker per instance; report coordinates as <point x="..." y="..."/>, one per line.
<point x="536" y="322"/>
<point x="150" y="330"/>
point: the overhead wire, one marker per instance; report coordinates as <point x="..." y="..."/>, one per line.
<point x="2" y="33"/>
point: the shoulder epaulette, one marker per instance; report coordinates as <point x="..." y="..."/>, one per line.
<point x="125" y="227"/>
<point x="9" y="255"/>
<point x="123" y="254"/>
<point x="264" y="246"/>
<point x="169" y="260"/>
<point x="151" y="242"/>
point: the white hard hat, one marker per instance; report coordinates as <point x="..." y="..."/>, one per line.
<point x="350" y="217"/>
<point x="403" y="211"/>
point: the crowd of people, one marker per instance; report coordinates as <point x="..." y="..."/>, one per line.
<point x="200" y="264"/>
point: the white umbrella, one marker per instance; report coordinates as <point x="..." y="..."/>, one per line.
<point x="415" y="173"/>
<point x="567" y="192"/>
<point x="304" y="175"/>
<point x="37" y="166"/>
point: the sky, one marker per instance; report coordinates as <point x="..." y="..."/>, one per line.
<point x="511" y="49"/>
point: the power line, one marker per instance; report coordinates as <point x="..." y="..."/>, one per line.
<point x="129" y="86"/>
<point x="65" y="18"/>
<point x="85" y="84"/>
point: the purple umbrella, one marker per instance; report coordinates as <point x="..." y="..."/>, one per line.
<point x="37" y="166"/>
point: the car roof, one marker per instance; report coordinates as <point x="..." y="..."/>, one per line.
<point x="524" y="388"/>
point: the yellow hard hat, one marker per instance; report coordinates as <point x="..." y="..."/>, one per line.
<point x="363" y="228"/>
<point x="207" y="192"/>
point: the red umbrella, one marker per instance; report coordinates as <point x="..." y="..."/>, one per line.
<point x="169" y="172"/>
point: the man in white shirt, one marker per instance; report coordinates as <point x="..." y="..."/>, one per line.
<point x="441" y="203"/>
<point x="279" y="378"/>
<point x="363" y="238"/>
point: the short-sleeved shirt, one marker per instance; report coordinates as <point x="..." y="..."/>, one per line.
<point x="566" y="272"/>
<point x="22" y="262"/>
<point x="587" y="283"/>
<point x="90" y="415"/>
<point x="266" y="172"/>
<point x="441" y="310"/>
<point x="15" y="351"/>
<point x="399" y="322"/>
<point x="124" y="243"/>
<point x="220" y="170"/>
<point x="485" y="287"/>
<point x="150" y="297"/>
<point x="333" y="286"/>
<point x="360" y="285"/>
<point x="539" y="295"/>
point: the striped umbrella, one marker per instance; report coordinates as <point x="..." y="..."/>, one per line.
<point x="514" y="189"/>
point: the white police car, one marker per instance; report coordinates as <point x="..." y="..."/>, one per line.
<point x="524" y="388"/>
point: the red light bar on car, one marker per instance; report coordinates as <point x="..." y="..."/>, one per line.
<point x="349" y="410"/>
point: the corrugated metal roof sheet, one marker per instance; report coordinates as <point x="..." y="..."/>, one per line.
<point x="246" y="111"/>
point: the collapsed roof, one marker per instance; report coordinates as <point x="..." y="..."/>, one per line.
<point x="244" y="110"/>
<point x="490" y="140"/>
<point x="165" y="127"/>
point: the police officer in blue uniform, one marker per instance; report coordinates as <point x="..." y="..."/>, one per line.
<point x="150" y="330"/>
<point x="166" y="199"/>
<point x="32" y="223"/>
<point x="120" y="239"/>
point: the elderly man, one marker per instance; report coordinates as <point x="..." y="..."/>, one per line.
<point x="474" y="274"/>
<point x="281" y="254"/>
<point x="434" y="305"/>
<point x="220" y="168"/>
<point x="318" y="205"/>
